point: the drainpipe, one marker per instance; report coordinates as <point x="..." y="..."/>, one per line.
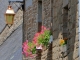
<point x="79" y="27"/>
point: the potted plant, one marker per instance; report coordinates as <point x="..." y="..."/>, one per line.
<point x="42" y="38"/>
<point x="40" y="41"/>
<point x="63" y="44"/>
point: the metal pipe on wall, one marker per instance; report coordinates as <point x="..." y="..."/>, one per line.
<point x="79" y="26"/>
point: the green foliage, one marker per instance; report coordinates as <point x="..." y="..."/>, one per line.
<point x="34" y="50"/>
<point x="32" y="47"/>
<point x="44" y="38"/>
<point x="30" y="44"/>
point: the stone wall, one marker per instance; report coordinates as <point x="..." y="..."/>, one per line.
<point x="57" y="29"/>
<point x="73" y="43"/>
<point x="47" y="21"/>
<point x="65" y="25"/>
<point x="62" y="18"/>
<point x="30" y="19"/>
<point x="46" y="13"/>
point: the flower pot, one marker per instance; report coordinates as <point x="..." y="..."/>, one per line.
<point x="39" y="47"/>
<point x="64" y="50"/>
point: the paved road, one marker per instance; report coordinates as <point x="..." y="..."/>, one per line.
<point x="11" y="48"/>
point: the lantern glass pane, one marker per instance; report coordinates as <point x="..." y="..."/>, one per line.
<point x="9" y="19"/>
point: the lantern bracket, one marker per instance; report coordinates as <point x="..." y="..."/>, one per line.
<point x="18" y="2"/>
<point x="8" y="25"/>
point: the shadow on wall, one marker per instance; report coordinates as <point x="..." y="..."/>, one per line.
<point x="71" y="40"/>
<point x="38" y="57"/>
<point x="49" y="53"/>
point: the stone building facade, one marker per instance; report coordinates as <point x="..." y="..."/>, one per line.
<point x="59" y="15"/>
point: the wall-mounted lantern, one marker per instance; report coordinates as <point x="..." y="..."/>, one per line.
<point x="9" y="15"/>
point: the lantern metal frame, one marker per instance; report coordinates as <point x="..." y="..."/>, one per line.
<point x="18" y="2"/>
<point x="8" y="13"/>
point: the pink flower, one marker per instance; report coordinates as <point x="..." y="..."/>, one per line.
<point x="37" y="34"/>
<point x="41" y="32"/>
<point x="27" y="54"/>
<point x="43" y="28"/>
<point x="27" y="48"/>
<point x="35" y="39"/>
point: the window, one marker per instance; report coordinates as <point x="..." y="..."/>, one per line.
<point x="65" y="22"/>
<point x="39" y="15"/>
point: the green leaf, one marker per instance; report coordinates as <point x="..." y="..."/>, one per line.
<point x="34" y="50"/>
<point x="44" y="38"/>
